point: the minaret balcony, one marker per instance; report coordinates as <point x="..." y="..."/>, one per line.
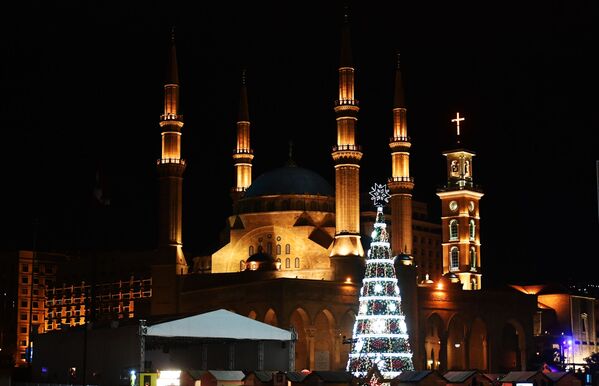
<point x="400" y="144"/>
<point x="242" y="156"/>
<point x="347" y="102"/>
<point x="243" y="151"/>
<point x="347" y="154"/>
<point x="163" y="161"/>
<point x="171" y="117"/>
<point x="401" y="185"/>
<point x="347" y="148"/>
<point x="401" y="179"/>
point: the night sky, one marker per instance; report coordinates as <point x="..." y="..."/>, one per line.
<point x="82" y="91"/>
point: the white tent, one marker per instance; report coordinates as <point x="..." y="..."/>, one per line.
<point x="218" y="324"/>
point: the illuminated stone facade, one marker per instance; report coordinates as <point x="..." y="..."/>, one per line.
<point x="401" y="183"/>
<point x="170" y="171"/>
<point x="347" y="251"/>
<point x="460" y="220"/>
<point x="294" y="255"/>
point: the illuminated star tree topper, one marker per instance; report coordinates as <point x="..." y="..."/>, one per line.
<point x="380" y="194"/>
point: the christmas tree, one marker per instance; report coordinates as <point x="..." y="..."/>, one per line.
<point x="380" y="334"/>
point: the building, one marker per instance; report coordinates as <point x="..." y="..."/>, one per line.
<point x="565" y="326"/>
<point x="291" y="259"/>
<point x="294" y="253"/>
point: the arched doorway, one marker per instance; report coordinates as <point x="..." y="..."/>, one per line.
<point x="432" y="342"/>
<point x="299" y="320"/>
<point x="478" y="354"/>
<point x="271" y="318"/>
<point x="512" y="347"/>
<point x="323" y="341"/>
<point x="456" y="348"/>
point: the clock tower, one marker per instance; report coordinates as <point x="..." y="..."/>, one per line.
<point x="460" y="219"/>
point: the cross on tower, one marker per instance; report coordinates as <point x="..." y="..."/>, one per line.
<point x="457" y="120"/>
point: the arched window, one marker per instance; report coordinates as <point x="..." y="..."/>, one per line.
<point x="287" y="263"/>
<point x="278" y="249"/>
<point x="278" y="264"/>
<point x="473" y="257"/>
<point x="242" y="265"/>
<point x="473" y="284"/>
<point x="297" y="262"/>
<point x="454" y="259"/>
<point x="287" y="249"/>
<point x="453" y="230"/>
<point x="251" y="250"/>
<point x="472" y="229"/>
<point x="269" y="248"/>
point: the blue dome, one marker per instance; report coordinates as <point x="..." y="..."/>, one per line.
<point x="289" y="180"/>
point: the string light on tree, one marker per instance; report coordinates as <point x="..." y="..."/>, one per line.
<point x="380" y="333"/>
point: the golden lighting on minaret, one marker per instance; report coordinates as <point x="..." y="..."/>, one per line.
<point x="170" y="170"/>
<point x="346" y="157"/>
<point x="243" y="154"/>
<point x="460" y="217"/>
<point x="401" y="184"/>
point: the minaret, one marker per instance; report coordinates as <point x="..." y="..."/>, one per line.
<point x="170" y="170"/>
<point x="400" y="183"/>
<point x="347" y="251"/>
<point x="243" y="154"/>
<point x="460" y="217"/>
<point x="400" y="187"/>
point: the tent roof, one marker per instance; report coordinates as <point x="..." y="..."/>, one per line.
<point x="518" y="376"/>
<point x="218" y="324"/>
<point x="332" y="376"/>
<point x="458" y="376"/>
<point x="412" y="376"/>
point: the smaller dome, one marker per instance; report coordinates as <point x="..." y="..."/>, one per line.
<point x="404" y="259"/>
<point x="261" y="262"/>
<point x="260" y="257"/>
<point x="451" y="277"/>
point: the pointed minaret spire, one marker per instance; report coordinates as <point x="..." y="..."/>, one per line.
<point x="172" y="70"/>
<point x="347" y="253"/>
<point x="346" y="54"/>
<point x="170" y="169"/>
<point x="398" y="100"/>
<point x="244" y="114"/>
<point x="243" y="154"/>
<point x="401" y="184"/>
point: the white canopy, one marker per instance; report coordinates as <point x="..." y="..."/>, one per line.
<point x="219" y="324"/>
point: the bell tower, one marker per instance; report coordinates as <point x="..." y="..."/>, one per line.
<point x="347" y="252"/>
<point x="460" y="219"/>
<point x="170" y="167"/>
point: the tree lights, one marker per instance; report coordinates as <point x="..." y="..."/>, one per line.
<point x="380" y="335"/>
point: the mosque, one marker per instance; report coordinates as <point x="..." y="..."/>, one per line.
<point x="294" y="254"/>
<point x="295" y="250"/>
